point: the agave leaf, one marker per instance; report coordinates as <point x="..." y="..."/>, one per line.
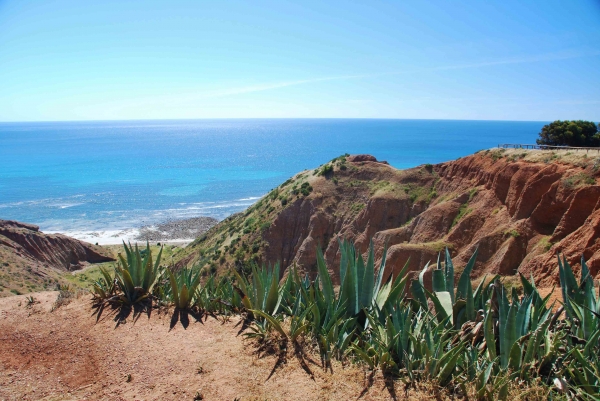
<point x="422" y="274"/>
<point x="442" y="302"/>
<point x="276" y="324"/>
<point x="272" y="295"/>
<point x="514" y="358"/>
<point x="535" y="341"/>
<point x="448" y="364"/>
<point x="507" y="327"/>
<point x="459" y="313"/>
<point x="127" y="281"/>
<point x="438" y="281"/>
<point x="464" y="282"/>
<point x="106" y="275"/>
<point x="418" y="292"/>
<point x="324" y="277"/>
<point x="351" y="287"/>
<point x="398" y="286"/>
<point x="523" y="316"/>
<point x="470" y="304"/>
<point x="184" y="297"/>
<point x="379" y="279"/>
<point x="449" y="270"/>
<point x="368" y="280"/>
<point x="482" y="380"/>
<point x="363" y="355"/>
<point x="174" y="288"/>
<point x="478" y="295"/>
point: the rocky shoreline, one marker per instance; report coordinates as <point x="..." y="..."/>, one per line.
<point x="171" y="230"/>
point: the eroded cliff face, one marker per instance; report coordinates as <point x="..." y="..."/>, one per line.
<point x="28" y="256"/>
<point x="518" y="208"/>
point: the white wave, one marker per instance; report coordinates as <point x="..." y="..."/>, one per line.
<point x="101" y="237"/>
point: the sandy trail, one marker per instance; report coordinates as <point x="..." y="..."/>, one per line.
<point x="67" y="355"/>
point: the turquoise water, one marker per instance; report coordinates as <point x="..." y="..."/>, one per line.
<point x="120" y="174"/>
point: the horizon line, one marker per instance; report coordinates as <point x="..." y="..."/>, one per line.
<point x="282" y="118"/>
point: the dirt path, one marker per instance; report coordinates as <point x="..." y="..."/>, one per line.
<point x="66" y="355"/>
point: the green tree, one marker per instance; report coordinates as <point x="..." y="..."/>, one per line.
<point x="570" y="133"/>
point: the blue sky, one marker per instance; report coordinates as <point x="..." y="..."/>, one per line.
<point x="112" y="60"/>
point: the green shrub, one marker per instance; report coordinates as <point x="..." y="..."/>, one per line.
<point x="305" y="189"/>
<point x="265" y="226"/>
<point x="545" y="243"/>
<point x="325" y="170"/>
<point x="472" y="193"/>
<point x="578" y="180"/>
<point x="357" y="207"/>
<point x="462" y="212"/>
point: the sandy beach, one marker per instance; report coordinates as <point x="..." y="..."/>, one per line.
<point x="180" y="232"/>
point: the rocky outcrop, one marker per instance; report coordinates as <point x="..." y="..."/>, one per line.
<point x="36" y="249"/>
<point x="517" y="210"/>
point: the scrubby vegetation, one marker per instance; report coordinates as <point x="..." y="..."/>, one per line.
<point x="578" y="180"/>
<point x="477" y="342"/>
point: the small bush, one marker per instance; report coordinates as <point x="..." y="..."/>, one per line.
<point x="65" y="296"/>
<point x="357" y="207"/>
<point x="578" y="180"/>
<point x="545" y="244"/>
<point x="325" y="170"/>
<point x="305" y="189"/>
<point x="265" y="226"/>
<point x="462" y="212"/>
<point x="513" y="233"/>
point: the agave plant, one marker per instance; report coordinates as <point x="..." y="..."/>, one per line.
<point x="263" y="292"/>
<point x="104" y="287"/>
<point x="488" y="336"/>
<point x="218" y="296"/>
<point x="460" y="305"/>
<point x="135" y="276"/>
<point x="182" y="287"/>
<point x="580" y="299"/>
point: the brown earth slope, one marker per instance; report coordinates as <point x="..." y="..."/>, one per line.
<point x="30" y="259"/>
<point x="518" y="207"/>
<point x="67" y="355"/>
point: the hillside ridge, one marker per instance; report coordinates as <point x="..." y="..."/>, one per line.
<point x="32" y="260"/>
<point x="517" y="207"/>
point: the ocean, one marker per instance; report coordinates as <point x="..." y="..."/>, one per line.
<point x="114" y="175"/>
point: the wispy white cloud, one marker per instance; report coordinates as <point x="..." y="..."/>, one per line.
<point x="520" y="60"/>
<point x="277" y="85"/>
<point x="274" y="85"/>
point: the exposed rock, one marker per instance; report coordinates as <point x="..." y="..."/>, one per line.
<point x="177" y="229"/>
<point x="54" y="250"/>
<point x="518" y="211"/>
<point x="33" y="256"/>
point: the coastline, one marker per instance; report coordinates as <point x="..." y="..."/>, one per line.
<point x="172" y="231"/>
